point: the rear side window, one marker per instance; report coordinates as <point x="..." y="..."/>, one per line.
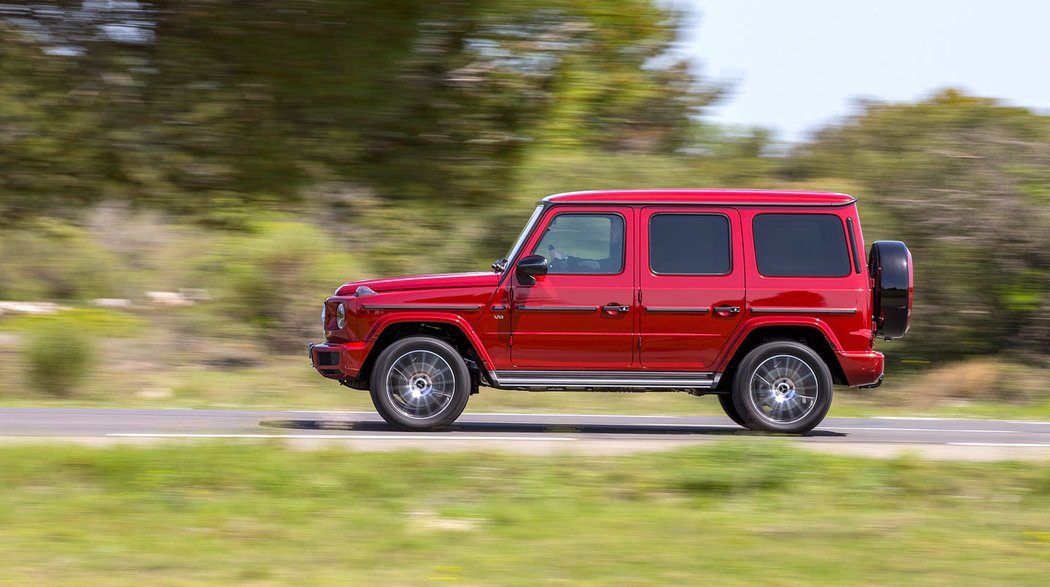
<point x="800" y="245"/>
<point x="689" y="244"/>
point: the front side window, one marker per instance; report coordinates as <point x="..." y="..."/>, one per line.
<point x="579" y="243"/>
<point x="689" y="244"/>
<point x="800" y="245"/>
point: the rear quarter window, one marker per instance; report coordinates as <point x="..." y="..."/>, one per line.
<point x="800" y="245"/>
<point x="689" y="244"/>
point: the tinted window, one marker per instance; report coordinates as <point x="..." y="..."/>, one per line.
<point x="800" y="245"/>
<point x="583" y="243"/>
<point x="689" y="244"/>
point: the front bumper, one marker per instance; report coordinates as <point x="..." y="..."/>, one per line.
<point x="862" y="369"/>
<point x="339" y="360"/>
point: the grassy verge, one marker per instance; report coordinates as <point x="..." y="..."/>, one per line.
<point x="727" y="514"/>
<point x="187" y="358"/>
<point x="288" y="382"/>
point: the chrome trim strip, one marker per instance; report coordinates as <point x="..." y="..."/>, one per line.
<point x="617" y="383"/>
<point x="450" y="307"/>
<point x="527" y="308"/>
<point x="678" y="309"/>
<point x="608" y="379"/>
<point x="774" y="310"/>
<point x="607" y="374"/>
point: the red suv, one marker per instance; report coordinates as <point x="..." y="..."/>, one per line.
<point x="759" y="297"/>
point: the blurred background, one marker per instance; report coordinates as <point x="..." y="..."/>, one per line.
<point x="182" y="183"/>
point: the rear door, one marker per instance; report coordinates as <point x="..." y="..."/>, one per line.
<point x="691" y="285"/>
<point x="580" y="316"/>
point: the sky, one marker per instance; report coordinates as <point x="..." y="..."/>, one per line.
<point x="794" y="66"/>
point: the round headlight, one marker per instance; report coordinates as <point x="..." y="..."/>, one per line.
<point x="340" y="316"/>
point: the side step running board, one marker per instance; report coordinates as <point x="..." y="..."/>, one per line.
<point x="557" y="380"/>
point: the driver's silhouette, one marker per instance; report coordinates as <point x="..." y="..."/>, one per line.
<point x="611" y="264"/>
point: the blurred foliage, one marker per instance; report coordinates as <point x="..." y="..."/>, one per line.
<point x="204" y="106"/>
<point x="86" y="321"/>
<point x="965" y="181"/>
<point x="54" y="260"/>
<point x="59" y="358"/>
<point x="336" y="139"/>
<point x="275" y="277"/>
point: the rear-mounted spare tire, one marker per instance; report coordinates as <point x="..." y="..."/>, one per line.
<point x="890" y="265"/>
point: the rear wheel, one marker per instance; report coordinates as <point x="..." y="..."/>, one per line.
<point x="726" y="399"/>
<point x="782" y="386"/>
<point x="420" y="383"/>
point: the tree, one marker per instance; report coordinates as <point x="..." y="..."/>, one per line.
<point x="210" y="108"/>
<point x="965" y="181"/>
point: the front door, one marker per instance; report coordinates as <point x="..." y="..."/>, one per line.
<point x="691" y="282"/>
<point x="580" y="316"/>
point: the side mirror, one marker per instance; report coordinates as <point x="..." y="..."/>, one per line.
<point x="531" y="267"/>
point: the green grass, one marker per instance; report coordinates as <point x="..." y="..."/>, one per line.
<point x="725" y="514"/>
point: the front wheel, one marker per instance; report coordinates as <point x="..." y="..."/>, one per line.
<point x="420" y="383"/>
<point x="782" y="386"/>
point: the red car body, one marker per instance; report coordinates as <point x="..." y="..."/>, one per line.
<point x="633" y="329"/>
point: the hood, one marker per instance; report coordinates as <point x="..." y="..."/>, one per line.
<point x="447" y="280"/>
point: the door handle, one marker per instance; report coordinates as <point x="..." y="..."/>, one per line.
<point x="726" y="310"/>
<point x="612" y="308"/>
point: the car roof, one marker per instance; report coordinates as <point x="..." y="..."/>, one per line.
<point x="726" y="197"/>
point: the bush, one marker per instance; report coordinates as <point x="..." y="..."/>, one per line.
<point x="58" y="359"/>
<point x="275" y="278"/>
<point x="53" y="260"/>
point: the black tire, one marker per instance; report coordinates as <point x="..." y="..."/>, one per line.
<point x="420" y="383"/>
<point x="772" y="383"/>
<point x="889" y="263"/>
<point x="726" y="399"/>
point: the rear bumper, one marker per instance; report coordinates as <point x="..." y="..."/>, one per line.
<point x="339" y="360"/>
<point x="862" y="369"/>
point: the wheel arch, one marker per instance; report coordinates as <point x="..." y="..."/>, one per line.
<point x="452" y="329"/>
<point x="811" y="335"/>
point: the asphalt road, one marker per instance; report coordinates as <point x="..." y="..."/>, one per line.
<point x="531" y="433"/>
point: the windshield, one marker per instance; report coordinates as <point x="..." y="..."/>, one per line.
<point x="524" y="233"/>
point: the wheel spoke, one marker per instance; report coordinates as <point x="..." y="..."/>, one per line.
<point x="421" y="384"/>
<point x="783" y="389"/>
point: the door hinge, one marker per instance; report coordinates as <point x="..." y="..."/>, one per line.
<point x="639" y="343"/>
<point x="510" y="340"/>
<point x="639" y="296"/>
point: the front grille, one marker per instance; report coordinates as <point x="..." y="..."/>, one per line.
<point x="327" y="358"/>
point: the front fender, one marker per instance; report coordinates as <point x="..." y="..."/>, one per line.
<point x="456" y="320"/>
